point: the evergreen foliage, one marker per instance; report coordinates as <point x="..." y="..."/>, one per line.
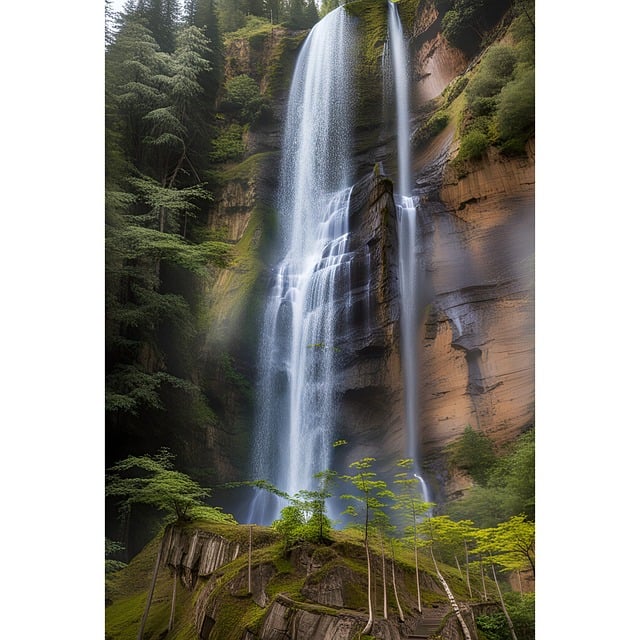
<point x="152" y="480"/>
<point x="509" y="488"/>
<point x="521" y="609"/>
<point x="243" y="99"/>
<point x="161" y="80"/>
<point x="515" y="114"/>
<point x="474" y="453"/>
<point x="501" y="94"/>
<point x="466" y="22"/>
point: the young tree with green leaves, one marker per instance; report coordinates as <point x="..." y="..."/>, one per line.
<point x="154" y="481"/>
<point x="450" y="537"/>
<point x="370" y="489"/>
<point x="408" y="502"/>
<point x="290" y="525"/>
<point x="510" y="544"/>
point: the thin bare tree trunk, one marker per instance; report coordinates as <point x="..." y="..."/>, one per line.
<point x="466" y="560"/>
<point x="484" y="586"/>
<point x="459" y="568"/>
<point x="415" y="556"/>
<point x="173" y="599"/>
<point x="385" y="610"/>
<point x="393" y="580"/>
<point x="452" y="600"/>
<point x="374" y="586"/>
<point x="369" y="624"/>
<point x="504" y="608"/>
<point x="520" y="582"/>
<point x="150" y="596"/>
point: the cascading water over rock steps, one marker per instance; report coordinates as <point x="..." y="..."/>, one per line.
<point x="296" y="362"/>
<point x="406" y="372"/>
<point x="311" y="285"/>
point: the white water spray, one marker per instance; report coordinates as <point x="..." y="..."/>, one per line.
<point x="310" y="291"/>
<point x="406" y="210"/>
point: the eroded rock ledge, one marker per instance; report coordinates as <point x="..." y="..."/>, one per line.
<point x="330" y="605"/>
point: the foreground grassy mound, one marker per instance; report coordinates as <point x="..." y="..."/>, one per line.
<point x="327" y="579"/>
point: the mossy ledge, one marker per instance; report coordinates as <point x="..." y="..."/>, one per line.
<point x="209" y="565"/>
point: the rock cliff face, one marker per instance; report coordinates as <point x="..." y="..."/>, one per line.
<point x="196" y="554"/>
<point x="476" y="243"/>
<point x="476" y="336"/>
<point x="477" y="358"/>
<point x="435" y="62"/>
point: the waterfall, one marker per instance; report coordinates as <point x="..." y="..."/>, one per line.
<point x="406" y="209"/>
<point x="310" y="291"/>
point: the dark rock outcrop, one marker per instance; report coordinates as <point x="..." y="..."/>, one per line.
<point x="196" y="553"/>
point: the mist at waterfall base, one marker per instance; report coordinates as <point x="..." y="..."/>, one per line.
<point x="309" y="297"/>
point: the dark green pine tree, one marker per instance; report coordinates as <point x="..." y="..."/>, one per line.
<point x="301" y="14"/>
<point x="253" y="7"/>
<point x="272" y="10"/>
<point x="230" y="14"/>
<point x="161" y="17"/>
<point x="152" y="189"/>
<point x="311" y="13"/>
<point x="296" y="14"/>
<point x="328" y="6"/>
<point x="132" y="65"/>
<point x="203" y="14"/>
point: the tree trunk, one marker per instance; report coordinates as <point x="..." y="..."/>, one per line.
<point x="466" y="560"/>
<point x="385" y="611"/>
<point x="369" y="624"/>
<point x="459" y="568"/>
<point x="520" y="582"/>
<point x="173" y="599"/>
<point x="484" y="586"/>
<point x="452" y="600"/>
<point x="150" y="596"/>
<point x="504" y="608"/>
<point x="395" y="588"/>
<point x="415" y="556"/>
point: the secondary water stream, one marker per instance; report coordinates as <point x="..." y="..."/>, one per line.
<point x="406" y="210"/>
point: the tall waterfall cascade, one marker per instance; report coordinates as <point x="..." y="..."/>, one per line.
<point x="297" y="369"/>
<point x="406" y="211"/>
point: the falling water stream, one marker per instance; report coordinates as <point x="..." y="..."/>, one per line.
<point x="406" y="210"/>
<point x="310" y="291"/>
<point x="296" y="395"/>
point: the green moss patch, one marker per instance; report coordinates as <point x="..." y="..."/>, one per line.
<point x="280" y="69"/>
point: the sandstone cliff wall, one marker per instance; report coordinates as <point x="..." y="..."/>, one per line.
<point x="476" y="240"/>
